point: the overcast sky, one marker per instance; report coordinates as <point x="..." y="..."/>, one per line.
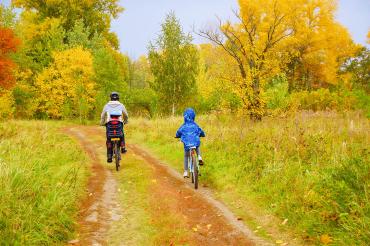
<point x="140" y="22"/>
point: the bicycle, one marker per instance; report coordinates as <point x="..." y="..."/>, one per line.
<point x="115" y="134"/>
<point x="193" y="166"/>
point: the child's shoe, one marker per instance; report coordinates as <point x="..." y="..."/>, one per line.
<point x="186" y="175"/>
<point x="123" y="150"/>
<point x="201" y="162"/>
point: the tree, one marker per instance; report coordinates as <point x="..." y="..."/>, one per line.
<point x="65" y="88"/>
<point x="96" y="14"/>
<point x="319" y="47"/>
<point x="109" y="75"/>
<point x="254" y="44"/>
<point x="8" y="45"/>
<point x="359" y="69"/>
<point x="174" y="64"/>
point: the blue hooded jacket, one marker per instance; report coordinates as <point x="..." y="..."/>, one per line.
<point x="190" y="132"/>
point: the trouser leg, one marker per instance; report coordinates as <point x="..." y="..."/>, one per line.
<point x="109" y="148"/>
<point x="123" y="142"/>
<point x="109" y="145"/>
<point x="186" y="159"/>
<point x="198" y="150"/>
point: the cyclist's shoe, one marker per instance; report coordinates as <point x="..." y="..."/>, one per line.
<point x="201" y="162"/>
<point x="123" y="150"/>
<point x="186" y="175"/>
<point x="109" y="159"/>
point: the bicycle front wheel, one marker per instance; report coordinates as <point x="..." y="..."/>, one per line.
<point x="195" y="169"/>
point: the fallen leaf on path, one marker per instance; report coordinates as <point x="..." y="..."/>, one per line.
<point x="209" y="226"/>
<point x="325" y="239"/>
<point x="187" y="197"/>
<point x="154" y="180"/>
<point x="279" y="242"/>
<point x="239" y="218"/>
<point x="195" y="229"/>
<point x="284" y="222"/>
<point x="90" y="194"/>
<point x="259" y="227"/>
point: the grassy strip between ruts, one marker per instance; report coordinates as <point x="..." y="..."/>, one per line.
<point x="42" y="176"/>
<point x="310" y="171"/>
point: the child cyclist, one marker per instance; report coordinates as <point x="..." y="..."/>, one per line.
<point x="189" y="133"/>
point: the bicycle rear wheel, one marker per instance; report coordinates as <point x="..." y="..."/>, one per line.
<point x="116" y="155"/>
<point x="195" y="169"/>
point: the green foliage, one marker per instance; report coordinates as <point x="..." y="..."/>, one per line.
<point x="359" y="67"/>
<point x="142" y="102"/>
<point x="80" y="35"/>
<point x="312" y="169"/>
<point x="41" y="39"/>
<point x="42" y="178"/>
<point x="174" y="64"/>
<point x="7" y="17"/>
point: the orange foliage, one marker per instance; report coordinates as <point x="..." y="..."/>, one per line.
<point x="8" y="44"/>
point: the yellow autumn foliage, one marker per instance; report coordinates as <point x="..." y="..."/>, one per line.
<point x="65" y="87"/>
<point x="6" y="104"/>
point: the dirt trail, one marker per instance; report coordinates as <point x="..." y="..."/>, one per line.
<point x="100" y="206"/>
<point x="208" y="220"/>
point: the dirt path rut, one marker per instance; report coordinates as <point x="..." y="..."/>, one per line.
<point x="208" y="221"/>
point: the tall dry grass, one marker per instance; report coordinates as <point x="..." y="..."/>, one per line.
<point x="41" y="180"/>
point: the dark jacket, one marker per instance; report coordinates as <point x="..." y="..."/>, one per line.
<point x="190" y="132"/>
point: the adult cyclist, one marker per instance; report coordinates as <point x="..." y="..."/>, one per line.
<point x="114" y="107"/>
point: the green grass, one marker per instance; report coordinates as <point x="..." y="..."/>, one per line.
<point x="42" y="175"/>
<point x="135" y="228"/>
<point x="312" y="169"/>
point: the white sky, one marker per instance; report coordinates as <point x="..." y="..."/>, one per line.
<point x="140" y="22"/>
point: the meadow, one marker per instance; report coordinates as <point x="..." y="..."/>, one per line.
<point x="42" y="178"/>
<point x="309" y="171"/>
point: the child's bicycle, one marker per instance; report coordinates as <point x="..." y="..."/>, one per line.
<point x="193" y="166"/>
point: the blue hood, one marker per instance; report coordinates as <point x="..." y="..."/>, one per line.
<point x="189" y="115"/>
<point x="190" y="132"/>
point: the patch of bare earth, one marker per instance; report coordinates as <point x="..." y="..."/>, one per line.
<point x="207" y="221"/>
